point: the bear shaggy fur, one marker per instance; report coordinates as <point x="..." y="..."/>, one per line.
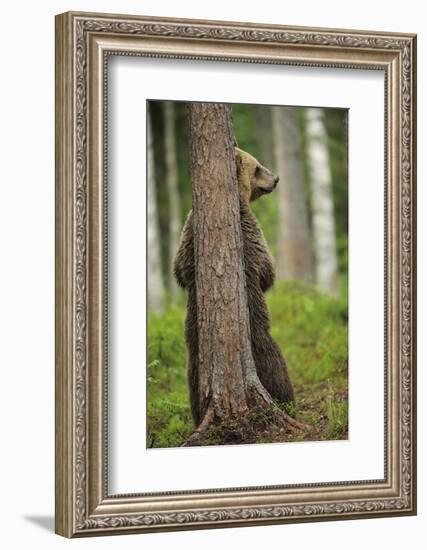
<point x="254" y="181"/>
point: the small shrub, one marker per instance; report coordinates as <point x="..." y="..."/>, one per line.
<point x="169" y="420"/>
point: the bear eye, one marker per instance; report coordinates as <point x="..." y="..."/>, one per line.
<point x="257" y="171"/>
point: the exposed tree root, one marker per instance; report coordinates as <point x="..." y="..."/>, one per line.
<point x="290" y="422"/>
<point x="196" y="438"/>
<point x="261" y="417"/>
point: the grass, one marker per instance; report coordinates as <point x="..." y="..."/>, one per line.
<point x="312" y="331"/>
<point x="169" y="417"/>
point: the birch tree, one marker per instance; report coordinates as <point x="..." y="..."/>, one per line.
<point x="293" y="246"/>
<point x="154" y="270"/>
<point x="172" y="185"/>
<point x="323" y="220"/>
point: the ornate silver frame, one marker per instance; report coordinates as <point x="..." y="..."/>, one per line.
<point x="83" y="42"/>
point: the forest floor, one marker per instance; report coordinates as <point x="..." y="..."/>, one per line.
<point x="312" y="331"/>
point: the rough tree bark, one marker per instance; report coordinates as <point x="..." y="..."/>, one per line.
<point x="228" y="383"/>
<point x="172" y="184"/>
<point x="293" y="246"/>
<point x="323" y="219"/>
<point x="154" y="275"/>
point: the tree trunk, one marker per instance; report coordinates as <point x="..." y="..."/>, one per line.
<point x="323" y="219"/>
<point x="227" y="380"/>
<point x="154" y="271"/>
<point x="172" y="184"/>
<point x="264" y="137"/>
<point x="293" y="247"/>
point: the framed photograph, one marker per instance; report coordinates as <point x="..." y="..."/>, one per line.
<point x="235" y="274"/>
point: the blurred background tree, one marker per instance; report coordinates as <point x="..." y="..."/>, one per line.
<point x="293" y="234"/>
<point x="322" y="201"/>
<point x="305" y="222"/>
<point x="154" y="274"/>
<point x="171" y="166"/>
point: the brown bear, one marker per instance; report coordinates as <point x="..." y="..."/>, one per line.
<point x="254" y="181"/>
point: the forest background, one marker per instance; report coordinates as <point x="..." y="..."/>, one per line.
<point x="305" y="222"/>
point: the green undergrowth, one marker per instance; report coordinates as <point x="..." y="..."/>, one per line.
<point x="311" y="330"/>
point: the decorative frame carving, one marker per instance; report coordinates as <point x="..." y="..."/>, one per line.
<point x="83" y="42"/>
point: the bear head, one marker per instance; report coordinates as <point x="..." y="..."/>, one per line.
<point x="254" y="179"/>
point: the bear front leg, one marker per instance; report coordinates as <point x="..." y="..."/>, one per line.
<point x="267" y="272"/>
<point x="183" y="266"/>
<point x="256" y="252"/>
